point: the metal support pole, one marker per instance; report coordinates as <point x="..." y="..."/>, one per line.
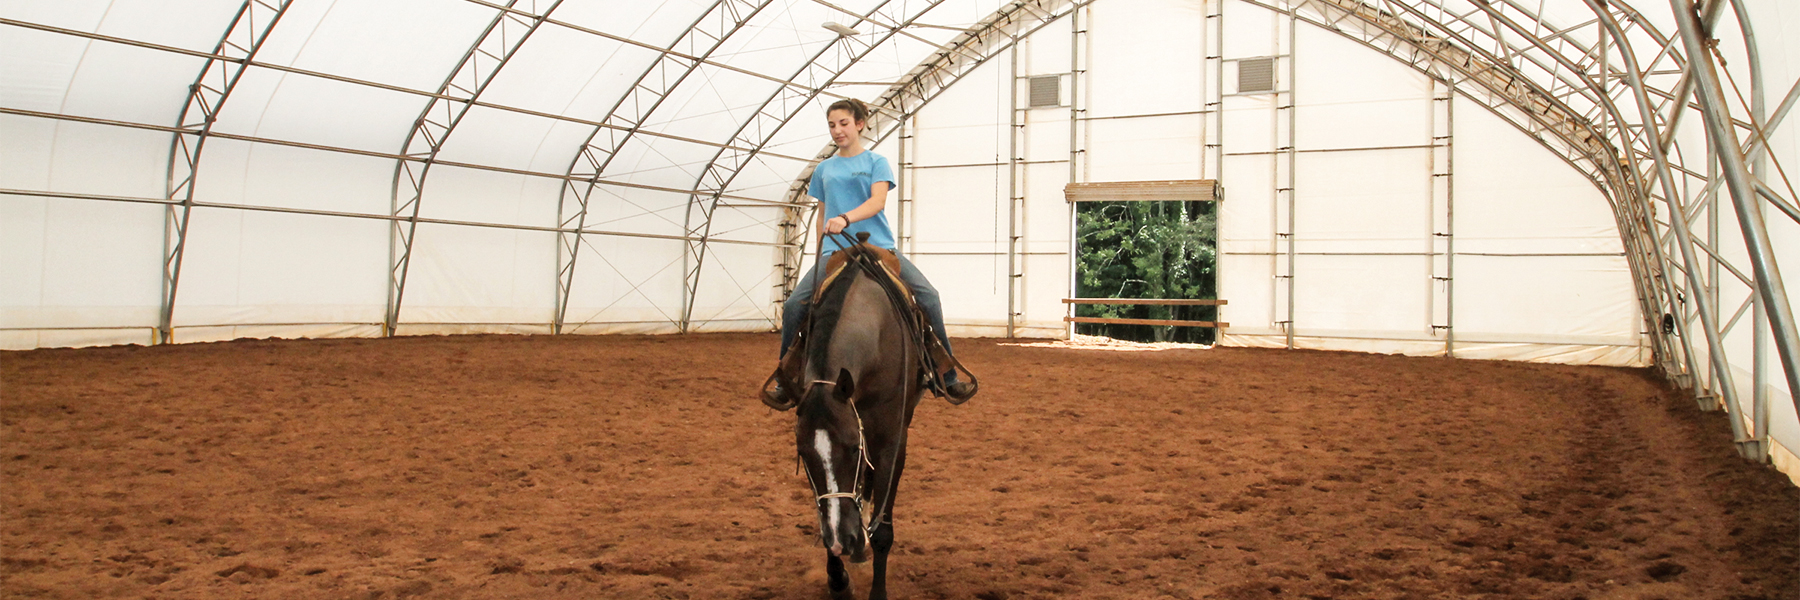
<point x="1743" y="194"/>
<point x="1678" y="222"/>
<point x="206" y="97"/>
<point x="434" y="126"/>
<point x="1444" y="142"/>
<point x="1287" y="151"/>
<point x="626" y="118"/>
<point x="1213" y="139"/>
<point x="1759" y="372"/>
<point x="904" y="170"/>
<point x="1015" y="129"/>
<point x="1077" y="107"/>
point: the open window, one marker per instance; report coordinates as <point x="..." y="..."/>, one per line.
<point x="1147" y="266"/>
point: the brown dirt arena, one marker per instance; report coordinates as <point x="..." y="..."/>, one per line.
<point x="643" y="467"/>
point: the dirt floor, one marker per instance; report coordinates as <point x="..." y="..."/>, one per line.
<point x="643" y="467"/>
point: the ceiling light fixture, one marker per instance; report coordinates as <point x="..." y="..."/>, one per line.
<point x="839" y="29"/>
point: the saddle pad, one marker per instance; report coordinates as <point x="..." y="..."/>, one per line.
<point x="890" y="264"/>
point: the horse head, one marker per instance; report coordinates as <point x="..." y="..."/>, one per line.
<point x="828" y="434"/>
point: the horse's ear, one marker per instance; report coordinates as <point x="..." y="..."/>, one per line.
<point x="845" y="388"/>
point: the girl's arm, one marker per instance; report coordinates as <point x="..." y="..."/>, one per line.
<point x="873" y="206"/>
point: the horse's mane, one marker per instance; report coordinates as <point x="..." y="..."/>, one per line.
<point x="828" y="307"/>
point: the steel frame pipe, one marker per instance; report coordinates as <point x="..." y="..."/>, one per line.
<point x="1743" y="194"/>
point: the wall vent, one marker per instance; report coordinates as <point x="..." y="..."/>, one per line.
<point x="1046" y="91"/>
<point x="1256" y="75"/>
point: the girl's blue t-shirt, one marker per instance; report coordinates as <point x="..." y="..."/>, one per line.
<point x="842" y="183"/>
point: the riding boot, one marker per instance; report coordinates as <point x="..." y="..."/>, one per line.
<point x="959" y="391"/>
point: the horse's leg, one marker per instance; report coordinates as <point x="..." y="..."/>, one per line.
<point x="882" y="538"/>
<point x="837" y="579"/>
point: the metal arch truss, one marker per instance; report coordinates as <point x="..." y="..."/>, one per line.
<point x="820" y="71"/>
<point x="484" y="59"/>
<point x="206" y="97"/>
<point x="960" y="57"/>
<point x="1494" y="55"/>
<point x="1611" y="111"/>
<point x="622" y="123"/>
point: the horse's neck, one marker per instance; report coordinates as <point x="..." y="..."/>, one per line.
<point x="866" y="338"/>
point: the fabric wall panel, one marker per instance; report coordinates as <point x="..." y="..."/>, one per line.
<point x="979" y="99"/>
<point x="1146" y="149"/>
<point x="463" y="274"/>
<point x="130" y="84"/>
<point x="1045" y="222"/>
<point x="949" y="215"/>
<point x="655" y="20"/>
<point x="245" y="267"/>
<point x="543" y="77"/>
<point x="1129" y="55"/>
<point x="39" y="66"/>
<point x="1247" y="283"/>
<point x="1046" y="136"/>
<point x="252" y="174"/>
<point x="734" y="290"/>
<point x="80" y="263"/>
<point x="1046" y="284"/>
<point x="105" y="160"/>
<point x="1581" y="298"/>
<point x="1385" y="296"/>
<point x="1250" y="31"/>
<point x="1370" y="201"/>
<point x="461" y="194"/>
<point x="511" y="140"/>
<point x="389" y="42"/>
<point x="27" y="145"/>
<point x="297" y="108"/>
<point x="1251" y="124"/>
<point x="190" y="24"/>
<point x="1247" y="212"/>
<point x="626" y="285"/>
<point x="1554" y="210"/>
<point x="613" y="208"/>
<point x="771" y="43"/>
<point x="942" y="144"/>
<point x="972" y="289"/>
<point x="747" y="222"/>
<point x="1046" y="53"/>
<point x="1375" y="103"/>
<point x="711" y="101"/>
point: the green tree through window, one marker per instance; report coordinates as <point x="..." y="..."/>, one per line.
<point x="1143" y="250"/>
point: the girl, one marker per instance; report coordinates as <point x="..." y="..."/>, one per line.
<point x="853" y="185"/>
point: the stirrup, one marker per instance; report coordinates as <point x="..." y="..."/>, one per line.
<point x="959" y="391"/>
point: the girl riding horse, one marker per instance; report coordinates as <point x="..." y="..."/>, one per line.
<point x="853" y="185"/>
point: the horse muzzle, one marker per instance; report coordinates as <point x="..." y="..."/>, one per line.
<point x="856" y="550"/>
<point x="841" y="532"/>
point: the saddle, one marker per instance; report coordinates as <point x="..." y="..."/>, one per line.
<point x="884" y="267"/>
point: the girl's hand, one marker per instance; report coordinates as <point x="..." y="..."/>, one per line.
<point x="837" y="224"/>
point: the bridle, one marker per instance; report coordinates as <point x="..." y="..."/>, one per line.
<point x="863" y="465"/>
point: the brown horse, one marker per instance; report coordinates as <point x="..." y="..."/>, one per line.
<point x="856" y="392"/>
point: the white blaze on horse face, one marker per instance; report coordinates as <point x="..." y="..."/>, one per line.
<point x="822" y="445"/>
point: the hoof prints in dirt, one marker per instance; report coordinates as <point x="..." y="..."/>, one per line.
<point x="384" y="469"/>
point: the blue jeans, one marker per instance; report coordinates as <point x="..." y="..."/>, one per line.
<point x="793" y="312"/>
